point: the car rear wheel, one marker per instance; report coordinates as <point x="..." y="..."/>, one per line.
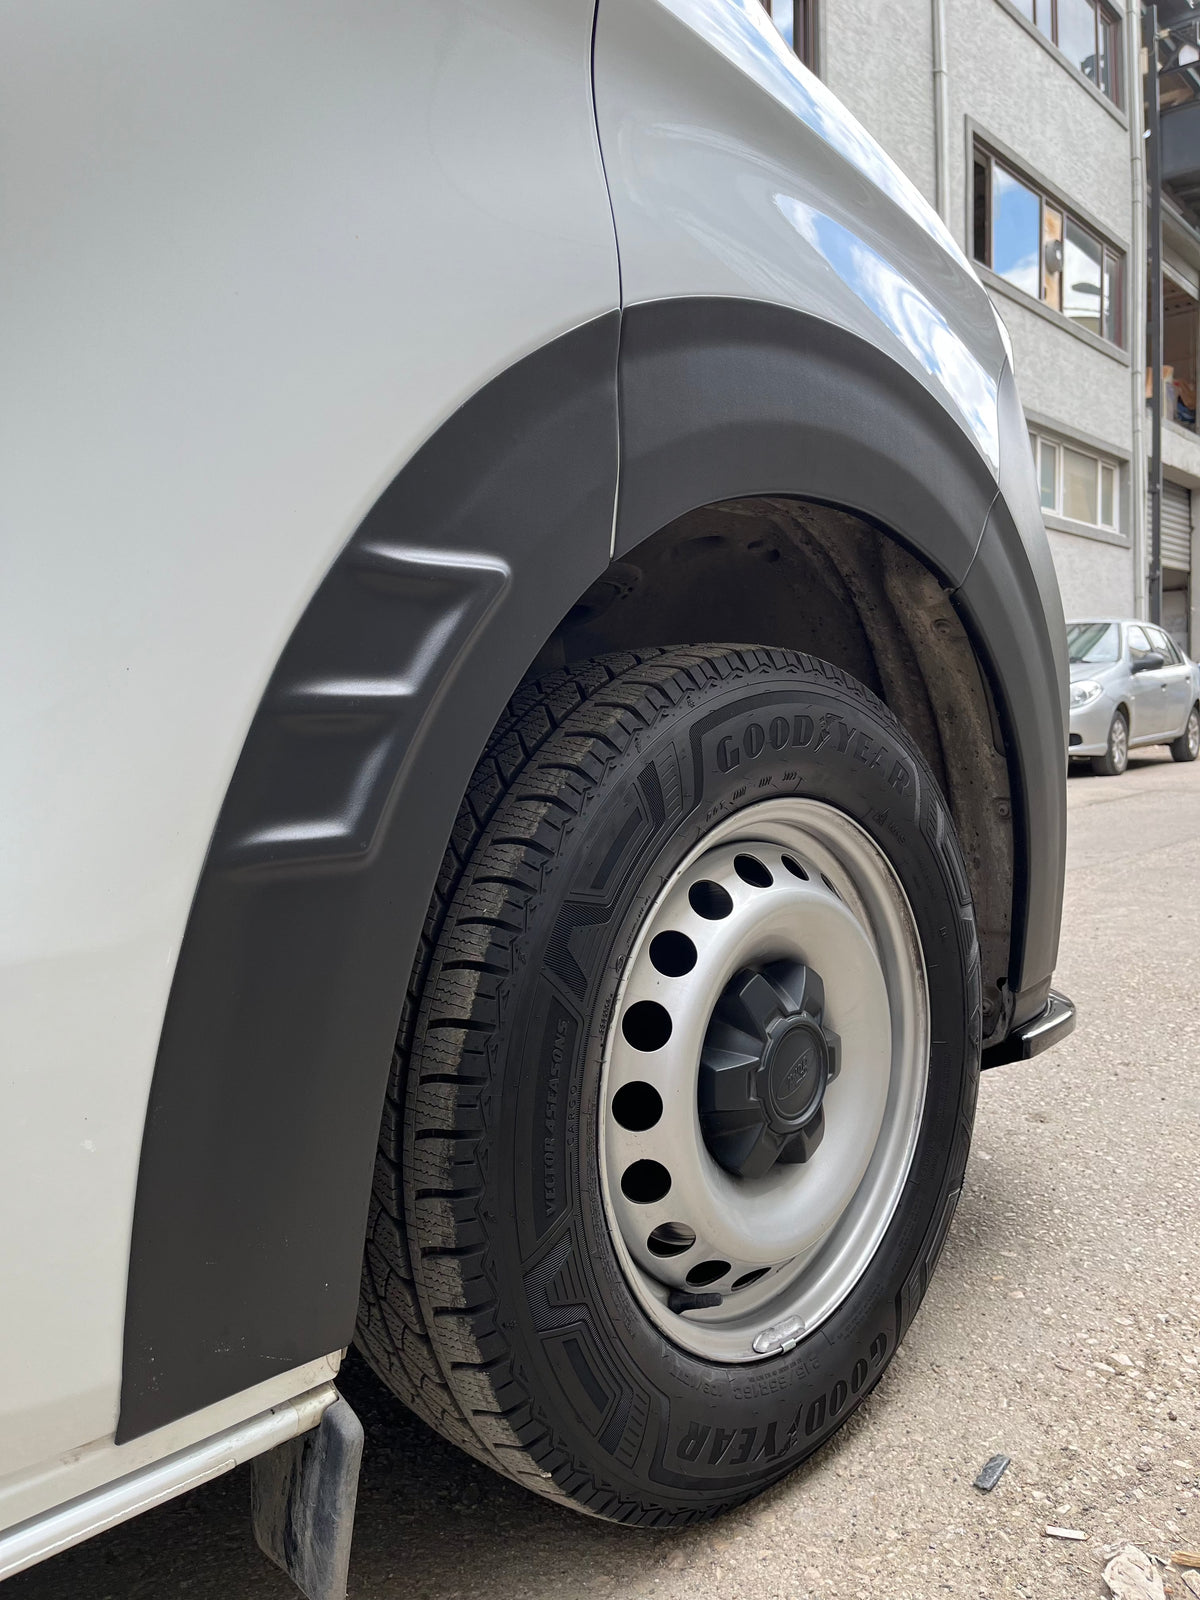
<point x="1116" y="757"/>
<point x="684" y="1090"/>
<point x="1187" y="746"/>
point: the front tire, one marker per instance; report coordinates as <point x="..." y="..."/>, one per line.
<point x="1187" y="746"/>
<point x="1116" y="756"/>
<point x="525" y="1288"/>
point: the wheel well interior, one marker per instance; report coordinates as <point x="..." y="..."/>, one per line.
<point x="817" y="578"/>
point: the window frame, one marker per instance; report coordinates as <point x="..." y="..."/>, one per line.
<point x="1164" y="644"/>
<point x="804" y="29"/>
<point x="1042" y="442"/>
<point x="1133" y="649"/>
<point x="1111" y="311"/>
<point x="1106" y="26"/>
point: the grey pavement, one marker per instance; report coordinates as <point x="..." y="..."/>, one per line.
<point x="1062" y="1328"/>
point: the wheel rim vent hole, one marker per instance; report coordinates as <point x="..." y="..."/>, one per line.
<point x="646" y="1025"/>
<point x="706" y="1272"/>
<point x="830" y="885"/>
<point x="709" y="900"/>
<point x="645" y="1182"/>
<point x="673" y="954"/>
<point x="752" y="871"/>
<point x="671" y="1239"/>
<point x="794" y="867"/>
<point x="637" y="1106"/>
<point x="747" y="1278"/>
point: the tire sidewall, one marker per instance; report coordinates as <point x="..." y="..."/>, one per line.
<point x="1118" y="765"/>
<point x="625" y="1406"/>
<point x="1182" y="748"/>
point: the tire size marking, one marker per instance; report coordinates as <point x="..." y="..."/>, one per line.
<point x="557" y="1113"/>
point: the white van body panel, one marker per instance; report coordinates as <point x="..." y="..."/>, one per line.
<point x="252" y="256"/>
<point x="734" y="171"/>
<point x="103" y="1484"/>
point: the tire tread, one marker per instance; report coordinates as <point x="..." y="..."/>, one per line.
<point x="428" y="1322"/>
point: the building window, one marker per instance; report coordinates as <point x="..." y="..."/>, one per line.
<point x="1032" y="242"/>
<point x="796" y="21"/>
<point x="1181" y="337"/>
<point x="1075" y="484"/>
<point x="1088" y="33"/>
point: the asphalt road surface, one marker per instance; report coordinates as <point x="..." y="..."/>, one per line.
<point x="1062" y="1328"/>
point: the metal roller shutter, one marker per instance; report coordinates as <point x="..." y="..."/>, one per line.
<point x="1176" y="526"/>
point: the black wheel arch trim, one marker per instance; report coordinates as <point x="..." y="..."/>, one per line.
<point x="722" y="399"/>
<point x="268" y="1087"/>
<point x="725" y="398"/>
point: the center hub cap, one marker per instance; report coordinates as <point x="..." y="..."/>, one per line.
<point x="795" y="1070"/>
<point x="764" y="1067"/>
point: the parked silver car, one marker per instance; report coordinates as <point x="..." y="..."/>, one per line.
<point x="1131" y="685"/>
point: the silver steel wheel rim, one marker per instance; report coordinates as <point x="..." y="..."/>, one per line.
<point x="1193" y="733"/>
<point x="1120" y="742"/>
<point x="797" y="1239"/>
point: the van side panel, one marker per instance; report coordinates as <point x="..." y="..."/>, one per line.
<point x="253" y="257"/>
<point x="734" y="171"/>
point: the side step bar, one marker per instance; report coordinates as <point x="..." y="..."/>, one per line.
<point x="79" y="1519"/>
<point x="1031" y="1038"/>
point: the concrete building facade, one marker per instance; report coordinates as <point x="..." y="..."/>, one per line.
<point x="1022" y="123"/>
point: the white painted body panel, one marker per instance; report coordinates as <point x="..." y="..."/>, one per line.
<point x="252" y="257"/>
<point x="734" y="171"/>
<point x="96" y="1488"/>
